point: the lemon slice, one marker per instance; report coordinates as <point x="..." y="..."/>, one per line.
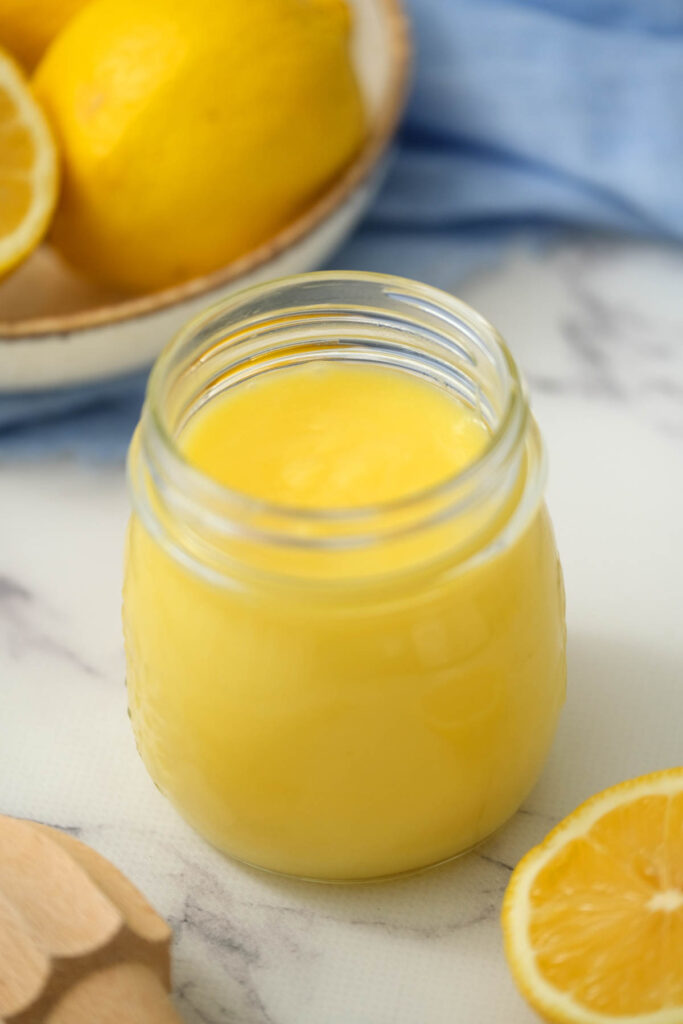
<point x="28" y="168"/>
<point x="593" y="917"/>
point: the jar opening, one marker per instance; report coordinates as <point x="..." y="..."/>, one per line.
<point x="359" y="318"/>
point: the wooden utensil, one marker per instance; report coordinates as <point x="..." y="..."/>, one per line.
<point x="78" y="943"/>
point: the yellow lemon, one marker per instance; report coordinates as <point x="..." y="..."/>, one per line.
<point x="28" y="168"/>
<point x="593" y="917"/>
<point x="27" y="26"/>
<point x="193" y="131"/>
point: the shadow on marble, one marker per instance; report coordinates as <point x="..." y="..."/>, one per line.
<point x="620" y="692"/>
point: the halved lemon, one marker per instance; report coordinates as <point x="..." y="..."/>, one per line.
<point x="28" y="168"/>
<point x="593" y="917"/>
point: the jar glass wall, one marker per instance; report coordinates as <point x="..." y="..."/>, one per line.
<point x="343" y="693"/>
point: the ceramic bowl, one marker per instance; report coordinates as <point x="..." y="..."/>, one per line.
<point x="57" y="331"/>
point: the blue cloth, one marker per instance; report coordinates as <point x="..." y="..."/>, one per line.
<point x="569" y="110"/>
<point x="548" y="112"/>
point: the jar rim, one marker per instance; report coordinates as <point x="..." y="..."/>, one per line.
<point x="507" y="434"/>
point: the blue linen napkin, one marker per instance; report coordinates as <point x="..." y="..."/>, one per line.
<point x="543" y="111"/>
<point x="564" y="109"/>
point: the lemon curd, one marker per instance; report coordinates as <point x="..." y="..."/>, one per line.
<point x="331" y="436"/>
<point x="343" y="606"/>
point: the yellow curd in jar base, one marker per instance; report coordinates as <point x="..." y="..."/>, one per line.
<point x="345" y="732"/>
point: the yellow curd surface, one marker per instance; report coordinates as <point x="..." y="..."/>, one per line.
<point x="359" y="722"/>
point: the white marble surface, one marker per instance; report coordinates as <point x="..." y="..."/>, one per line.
<point x="598" y="328"/>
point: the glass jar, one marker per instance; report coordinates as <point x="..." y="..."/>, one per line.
<point x="343" y="694"/>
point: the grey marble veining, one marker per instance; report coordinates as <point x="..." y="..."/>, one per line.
<point x="617" y="322"/>
<point x="629" y="348"/>
<point x="25" y="628"/>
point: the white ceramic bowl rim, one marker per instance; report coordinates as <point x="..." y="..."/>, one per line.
<point x="383" y="126"/>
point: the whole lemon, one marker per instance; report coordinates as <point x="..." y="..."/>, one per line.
<point x="27" y="26"/>
<point x="192" y="130"/>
